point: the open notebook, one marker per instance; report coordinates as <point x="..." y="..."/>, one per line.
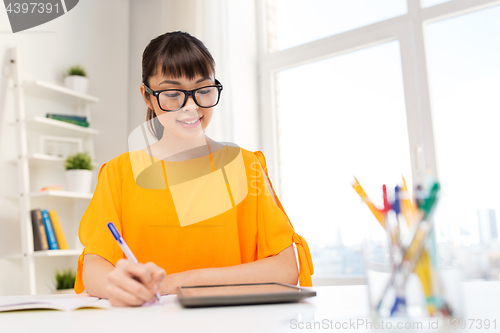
<point x="62" y="302"/>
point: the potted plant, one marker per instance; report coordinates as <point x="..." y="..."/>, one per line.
<point x="65" y="281"/>
<point x="76" y="79"/>
<point x="78" y="172"/>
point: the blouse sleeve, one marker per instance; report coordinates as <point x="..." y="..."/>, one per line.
<point x="104" y="207"/>
<point x="275" y="231"/>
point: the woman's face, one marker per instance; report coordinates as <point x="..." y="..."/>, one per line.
<point x="175" y="122"/>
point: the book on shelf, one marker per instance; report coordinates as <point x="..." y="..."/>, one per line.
<point x="51" y="236"/>
<point x="39" y="234"/>
<point x="56" y="225"/>
<point x="46" y="223"/>
<point x="78" y="122"/>
<point x="66" y="116"/>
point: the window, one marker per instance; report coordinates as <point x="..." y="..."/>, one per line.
<point x="464" y="74"/>
<point x="298" y="22"/>
<point x="369" y="70"/>
<point x="430" y="3"/>
<point x="338" y="118"/>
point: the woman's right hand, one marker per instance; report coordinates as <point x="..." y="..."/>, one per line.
<point x="133" y="284"/>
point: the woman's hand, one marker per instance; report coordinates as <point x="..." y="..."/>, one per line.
<point x="133" y="284"/>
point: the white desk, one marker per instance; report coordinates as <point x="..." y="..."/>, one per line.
<point x="336" y="303"/>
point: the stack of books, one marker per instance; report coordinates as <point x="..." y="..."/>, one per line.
<point x="75" y="120"/>
<point x="47" y="231"/>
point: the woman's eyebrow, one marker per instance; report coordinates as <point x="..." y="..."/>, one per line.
<point x="169" y="81"/>
<point x="203" y="79"/>
<point x="178" y="83"/>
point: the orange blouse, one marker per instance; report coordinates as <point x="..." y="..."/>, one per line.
<point x="165" y="223"/>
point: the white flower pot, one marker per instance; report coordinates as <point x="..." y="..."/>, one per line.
<point x="79" y="180"/>
<point x="77" y="83"/>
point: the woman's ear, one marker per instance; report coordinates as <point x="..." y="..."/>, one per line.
<point x="146" y="97"/>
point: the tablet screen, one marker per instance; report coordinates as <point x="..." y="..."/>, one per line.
<point x="237" y="290"/>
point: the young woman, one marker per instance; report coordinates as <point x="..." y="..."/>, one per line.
<point x="193" y="211"/>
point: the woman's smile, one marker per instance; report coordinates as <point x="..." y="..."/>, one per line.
<point x="190" y="122"/>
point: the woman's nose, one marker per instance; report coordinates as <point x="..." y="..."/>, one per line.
<point x="190" y="101"/>
<point x="190" y="104"/>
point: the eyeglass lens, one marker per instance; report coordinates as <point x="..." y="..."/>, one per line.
<point x="174" y="99"/>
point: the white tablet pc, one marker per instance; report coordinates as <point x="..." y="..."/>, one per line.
<point x="241" y="294"/>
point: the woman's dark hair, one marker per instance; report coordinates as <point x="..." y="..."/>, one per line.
<point x="176" y="54"/>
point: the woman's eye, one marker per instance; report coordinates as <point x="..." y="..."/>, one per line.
<point x="172" y="94"/>
<point x="204" y="92"/>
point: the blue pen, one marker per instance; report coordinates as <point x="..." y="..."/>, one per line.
<point x="126" y="250"/>
<point x="400" y="302"/>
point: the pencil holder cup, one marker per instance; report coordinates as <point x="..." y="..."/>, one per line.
<point x="413" y="283"/>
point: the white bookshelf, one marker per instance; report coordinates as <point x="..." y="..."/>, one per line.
<point x="58" y="253"/>
<point x="52" y="90"/>
<point x="48" y="253"/>
<point x="44" y="160"/>
<point x="48" y="124"/>
<point x="62" y="194"/>
<point x="36" y="167"/>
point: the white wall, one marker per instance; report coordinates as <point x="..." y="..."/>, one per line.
<point x="108" y="38"/>
<point x="236" y="45"/>
<point x="161" y="16"/>
<point x="228" y="29"/>
<point x="95" y="34"/>
<point x="152" y="12"/>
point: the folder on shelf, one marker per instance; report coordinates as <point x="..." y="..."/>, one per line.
<point x="69" y="120"/>
<point x="65" y="116"/>
<point x="51" y="236"/>
<point x="56" y="225"/>
<point x="39" y="234"/>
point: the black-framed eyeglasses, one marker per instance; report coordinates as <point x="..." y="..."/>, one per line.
<point x="171" y="100"/>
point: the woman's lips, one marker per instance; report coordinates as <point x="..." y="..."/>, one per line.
<point x="190" y="122"/>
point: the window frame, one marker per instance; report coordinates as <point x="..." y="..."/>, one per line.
<point x="408" y="29"/>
